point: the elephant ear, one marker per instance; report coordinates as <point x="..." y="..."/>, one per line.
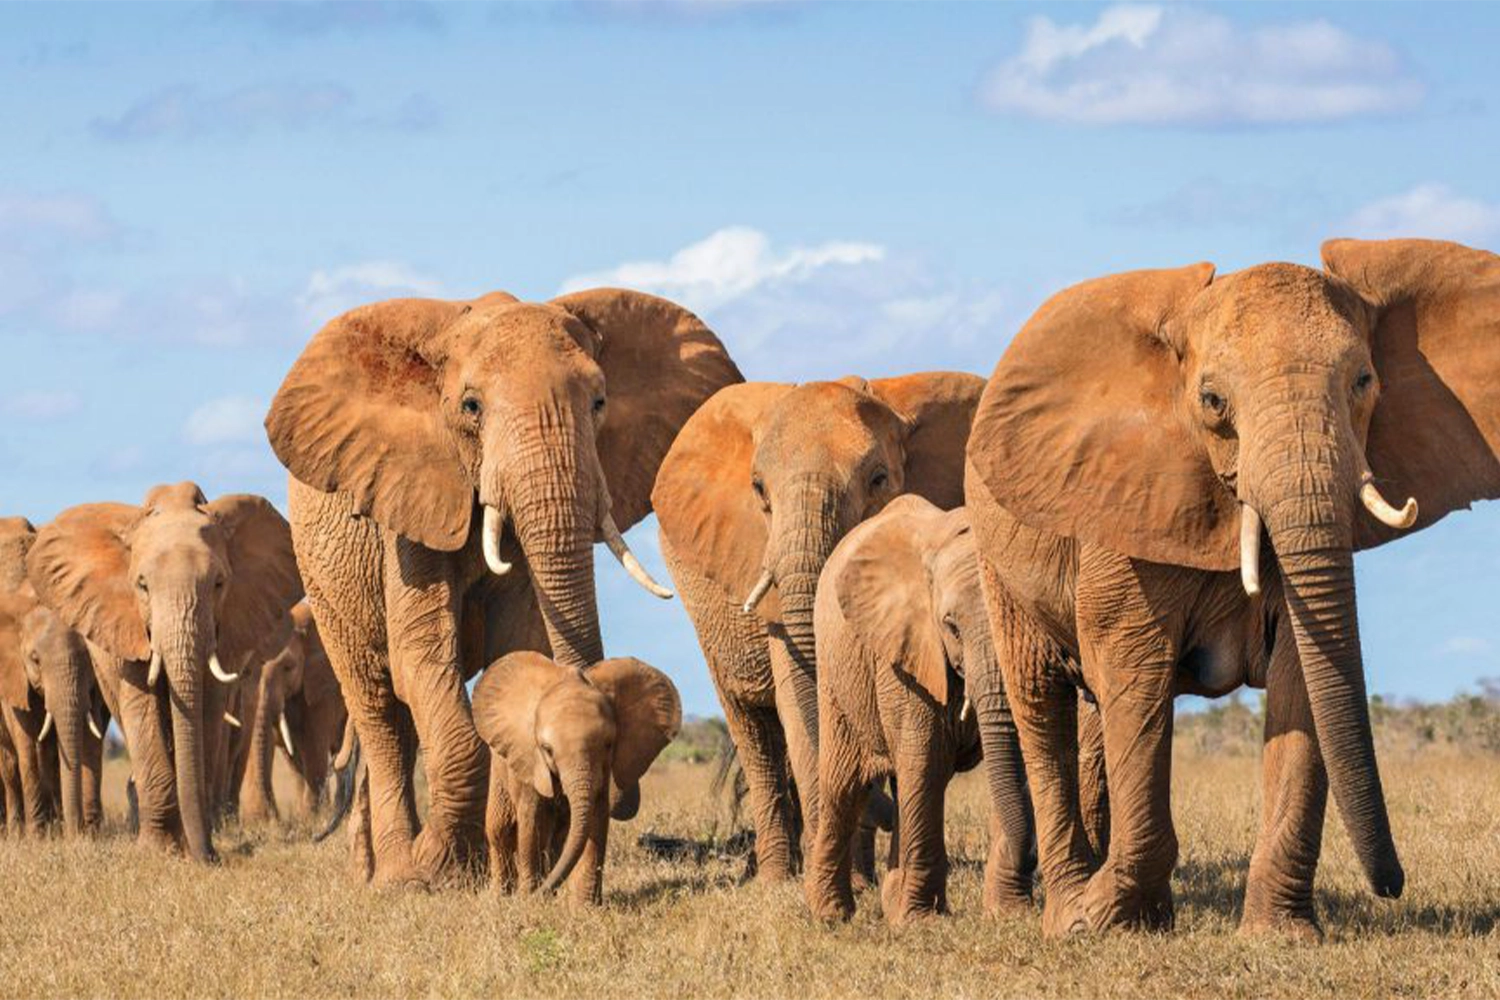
<point x="263" y="579"/>
<point x="648" y="716"/>
<point x="704" y="504"/>
<point x="1435" y="433"/>
<point x="660" y="364"/>
<point x="320" y="685"/>
<point x="505" y="701"/>
<point x="939" y="408"/>
<point x="15" y="691"/>
<point x="881" y="578"/>
<point x="16" y="538"/>
<point x="359" y="413"/>
<point x="80" y="567"/>
<point x="1081" y="430"/>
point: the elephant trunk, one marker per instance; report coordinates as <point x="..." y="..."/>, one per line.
<point x="259" y="791"/>
<point x="67" y="698"/>
<point x="1308" y="507"/>
<point x="181" y="636"/>
<point x="582" y="801"/>
<point x="1004" y="770"/>
<point x="554" y="509"/>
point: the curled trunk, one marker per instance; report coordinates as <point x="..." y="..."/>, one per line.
<point x="581" y="803"/>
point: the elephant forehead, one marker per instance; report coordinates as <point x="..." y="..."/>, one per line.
<point x="1276" y="304"/>
<point x="515" y="338"/>
<point x="825" y="420"/>
<point x="178" y="539"/>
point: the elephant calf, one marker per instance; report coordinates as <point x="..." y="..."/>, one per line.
<point x="569" y="748"/>
<point x="903" y="650"/>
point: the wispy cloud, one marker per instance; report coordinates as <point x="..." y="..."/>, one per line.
<point x="184" y="111"/>
<point x="1150" y="64"/>
<point x="1466" y="645"/>
<point x="1429" y="210"/>
<point x="331" y="292"/>
<point x="318" y="18"/>
<point x="825" y="310"/>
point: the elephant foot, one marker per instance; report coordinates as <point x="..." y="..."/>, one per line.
<point x="1108" y="902"/>
<point x="1006" y="891"/>
<point x="1296" y="927"/>
<point x="901" y="906"/>
<point x="449" y="861"/>
<point x="829" y="905"/>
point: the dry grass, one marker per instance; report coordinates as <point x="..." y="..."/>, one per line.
<point x="281" y="917"/>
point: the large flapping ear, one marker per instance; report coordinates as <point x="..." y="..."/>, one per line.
<point x="15" y="691"/>
<point x="359" y="413"/>
<point x="880" y="576"/>
<point x="1082" y="430"/>
<point x="660" y="363"/>
<point x="704" y="503"/>
<point x="80" y="567"/>
<point x="939" y="408"/>
<point x="263" y="579"/>
<point x="1435" y="433"/>
<point x="505" y="701"/>
<point x="16" y="538"/>
<point x="648" y="716"/>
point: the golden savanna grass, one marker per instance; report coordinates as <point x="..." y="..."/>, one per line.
<point x="281" y="917"/>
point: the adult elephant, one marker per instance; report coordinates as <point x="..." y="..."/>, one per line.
<point x="761" y="485"/>
<point x="299" y="707"/>
<point x="453" y="464"/>
<point x="166" y="593"/>
<point x="1141" y="438"/>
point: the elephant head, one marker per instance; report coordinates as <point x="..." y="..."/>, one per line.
<point x="182" y="583"/>
<point x="588" y="736"/>
<point x="766" y="479"/>
<point x="907" y="584"/>
<point x="300" y="706"/>
<point x="554" y="416"/>
<point x="1179" y="418"/>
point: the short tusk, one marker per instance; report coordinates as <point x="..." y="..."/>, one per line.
<point x="1250" y="530"/>
<point x="220" y="675"/>
<point x="286" y="737"/>
<point x="154" y="674"/>
<point x="1383" y="512"/>
<point x="494" y="521"/>
<point x="94" y="727"/>
<point x="621" y="551"/>
<point x="232" y="720"/>
<point x="758" y="592"/>
<point x="965" y="711"/>
<point x="46" y="728"/>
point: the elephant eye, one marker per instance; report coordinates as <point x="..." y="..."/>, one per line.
<point x="950" y="625"/>
<point x="599" y="405"/>
<point x="140" y="584"/>
<point x="879" y="480"/>
<point x="760" y="493"/>
<point x="1212" y="401"/>
<point x="471" y="406"/>
<point x="1365" y="380"/>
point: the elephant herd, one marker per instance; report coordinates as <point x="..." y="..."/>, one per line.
<point x="1159" y="490"/>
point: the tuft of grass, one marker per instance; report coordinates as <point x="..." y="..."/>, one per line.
<point x="281" y="917"/>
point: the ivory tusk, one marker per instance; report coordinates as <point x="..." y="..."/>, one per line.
<point x="1383" y="512"/>
<point x="94" y="727"/>
<point x="286" y="737"/>
<point x="494" y="521"/>
<point x="1250" y="531"/>
<point x="965" y="711"/>
<point x="758" y="592"/>
<point x="621" y="551"/>
<point x="232" y="720"/>
<point x="154" y="674"/>
<point x="46" y="728"/>
<point x="220" y="675"/>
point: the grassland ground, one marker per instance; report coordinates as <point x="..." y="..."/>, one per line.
<point x="282" y="917"/>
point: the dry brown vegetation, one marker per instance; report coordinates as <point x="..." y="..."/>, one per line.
<point x="281" y="917"/>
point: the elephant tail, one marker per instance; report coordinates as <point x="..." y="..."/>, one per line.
<point x="346" y="764"/>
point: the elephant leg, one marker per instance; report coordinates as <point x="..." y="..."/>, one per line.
<point x="92" y="774"/>
<point x="1093" y="787"/>
<point x="457" y="764"/>
<point x="862" y="850"/>
<point x="791" y="678"/>
<point x="828" y="879"/>
<point x="756" y="733"/>
<point x="145" y="721"/>
<point x="35" y="807"/>
<point x="10" y="778"/>
<point x="918" y="885"/>
<point x="532" y="840"/>
<point x="361" y="844"/>
<point x="1045" y="708"/>
<point x="500" y="829"/>
<point x="1294" y="795"/>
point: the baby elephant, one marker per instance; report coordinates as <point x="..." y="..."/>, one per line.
<point x="570" y="748"/>
<point x="907" y="678"/>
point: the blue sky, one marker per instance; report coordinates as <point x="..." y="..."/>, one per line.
<point x="187" y="192"/>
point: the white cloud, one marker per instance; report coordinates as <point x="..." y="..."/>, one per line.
<point x="1466" y="645"/>
<point x="827" y="310"/>
<point x="42" y="404"/>
<point x="226" y="420"/>
<point x="728" y="264"/>
<point x="329" y="293"/>
<point x="1139" y="63"/>
<point x="1427" y="210"/>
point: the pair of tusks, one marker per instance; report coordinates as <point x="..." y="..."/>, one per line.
<point x="214" y="667"/>
<point x="47" y="728"/>
<point x="494" y="522"/>
<point x="1369" y="494"/>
